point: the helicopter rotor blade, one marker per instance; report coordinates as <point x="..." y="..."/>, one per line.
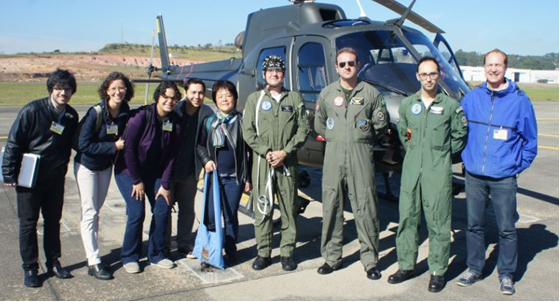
<point x="412" y="16"/>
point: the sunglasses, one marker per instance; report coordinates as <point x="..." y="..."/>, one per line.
<point x="343" y="64"/>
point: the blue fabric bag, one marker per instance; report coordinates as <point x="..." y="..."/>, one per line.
<point x="208" y="245"/>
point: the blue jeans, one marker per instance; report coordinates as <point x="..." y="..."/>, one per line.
<point x="231" y="195"/>
<point x="504" y="203"/>
<point x="135" y="210"/>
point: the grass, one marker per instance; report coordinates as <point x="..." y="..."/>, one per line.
<point x="537" y="92"/>
<point x="19" y="94"/>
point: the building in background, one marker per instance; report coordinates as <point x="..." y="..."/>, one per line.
<point x="476" y="74"/>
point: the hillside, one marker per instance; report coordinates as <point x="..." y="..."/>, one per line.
<point x="132" y="60"/>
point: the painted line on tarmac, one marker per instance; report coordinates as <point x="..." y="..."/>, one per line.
<point x="548" y="148"/>
<point x="549" y="135"/>
<point x="3" y="137"/>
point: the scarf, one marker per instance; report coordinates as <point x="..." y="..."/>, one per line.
<point x="220" y="128"/>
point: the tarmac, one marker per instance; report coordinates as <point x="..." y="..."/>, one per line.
<point x="537" y="276"/>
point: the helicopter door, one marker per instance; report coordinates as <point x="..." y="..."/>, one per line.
<point x="309" y="76"/>
<point x="441" y="44"/>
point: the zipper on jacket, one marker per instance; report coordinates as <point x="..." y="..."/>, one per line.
<point x="487" y="133"/>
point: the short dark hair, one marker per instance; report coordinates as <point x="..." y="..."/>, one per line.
<point x="348" y="50"/>
<point x="113" y="76"/>
<point x="160" y="90"/>
<point x="61" y="77"/>
<point x="424" y="59"/>
<point x="192" y="81"/>
<point x="495" y="50"/>
<point x="222" y="84"/>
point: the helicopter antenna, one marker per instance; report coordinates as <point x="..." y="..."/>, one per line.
<point x="362" y="12"/>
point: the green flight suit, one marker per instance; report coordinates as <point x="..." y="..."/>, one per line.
<point x="436" y="133"/>
<point x="281" y="126"/>
<point x="351" y="127"/>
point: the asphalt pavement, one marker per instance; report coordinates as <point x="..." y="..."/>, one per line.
<point x="537" y="276"/>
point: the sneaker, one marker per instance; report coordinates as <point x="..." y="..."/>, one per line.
<point x="165" y="263"/>
<point x="468" y="279"/>
<point x="132" y="267"/>
<point x="190" y="255"/>
<point x="506" y="286"/>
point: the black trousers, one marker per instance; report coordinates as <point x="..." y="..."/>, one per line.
<point x="48" y="198"/>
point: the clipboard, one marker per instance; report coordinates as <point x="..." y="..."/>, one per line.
<point x="28" y="171"/>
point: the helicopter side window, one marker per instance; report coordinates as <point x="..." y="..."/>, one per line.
<point x="278" y="51"/>
<point x="311" y="75"/>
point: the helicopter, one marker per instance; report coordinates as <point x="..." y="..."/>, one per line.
<point x="307" y="35"/>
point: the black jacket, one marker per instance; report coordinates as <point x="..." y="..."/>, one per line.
<point x="243" y="154"/>
<point x="31" y="133"/>
<point x="97" y="149"/>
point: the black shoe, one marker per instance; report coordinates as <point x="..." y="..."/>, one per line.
<point x="30" y="278"/>
<point x="373" y="274"/>
<point x="183" y="251"/>
<point x="326" y="269"/>
<point x="400" y="276"/>
<point x="58" y="271"/>
<point x="437" y="283"/>
<point x="261" y="263"/>
<point x="99" y="271"/>
<point x="288" y="263"/>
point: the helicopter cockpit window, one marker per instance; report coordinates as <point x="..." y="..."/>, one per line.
<point x="311" y="76"/>
<point x="388" y="63"/>
<point x="278" y="51"/>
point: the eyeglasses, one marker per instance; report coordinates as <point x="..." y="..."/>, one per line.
<point x="275" y="69"/>
<point x="432" y="75"/>
<point x="120" y="89"/>
<point x="343" y="64"/>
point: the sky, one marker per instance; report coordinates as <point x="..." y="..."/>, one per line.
<point x="523" y="27"/>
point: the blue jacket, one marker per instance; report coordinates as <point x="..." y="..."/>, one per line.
<point x="502" y="131"/>
<point x="97" y="149"/>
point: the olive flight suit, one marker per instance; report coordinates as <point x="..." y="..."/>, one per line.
<point x="351" y="125"/>
<point x="269" y="125"/>
<point x="430" y="136"/>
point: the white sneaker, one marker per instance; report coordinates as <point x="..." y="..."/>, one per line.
<point x="132" y="267"/>
<point x="165" y="263"/>
<point x="190" y="255"/>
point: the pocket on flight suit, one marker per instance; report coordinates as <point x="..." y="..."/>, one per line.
<point x="439" y="136"/>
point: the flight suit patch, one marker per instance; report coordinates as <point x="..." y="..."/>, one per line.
<point x="464" y="121"/>
<point x="380" y="116"/>
<point x="338" y="101"/>
<point x="436" y="110"/>
<point x="416" y="109"/>
<point x="364" y="124"/>
<point x="287" y="108"/>
<point x="330" y="123"/>
<point x="266" y="105"/>
<point x="357" y="101"/>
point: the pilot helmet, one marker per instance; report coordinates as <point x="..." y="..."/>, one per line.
<point x="273" y="61"/>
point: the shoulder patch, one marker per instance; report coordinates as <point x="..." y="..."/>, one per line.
<point x="459" y="110"/>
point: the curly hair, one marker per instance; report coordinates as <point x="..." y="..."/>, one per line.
<point x="160" y="90"/>
<point x="60" y="78"/>
<point x="113" y="76"/>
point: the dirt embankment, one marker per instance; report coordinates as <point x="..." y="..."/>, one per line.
<point x="36" y="68"/>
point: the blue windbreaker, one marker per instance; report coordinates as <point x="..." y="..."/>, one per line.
<point x="502" y="131"/>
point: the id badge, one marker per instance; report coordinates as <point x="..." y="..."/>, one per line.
<point x="57" y="128"/>
<point x="112" y="129"/>
<point x="501" y="134"/>
<point x="168" y="126"/>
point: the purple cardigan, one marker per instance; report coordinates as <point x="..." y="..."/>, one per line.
<point x="139" y="137"/>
